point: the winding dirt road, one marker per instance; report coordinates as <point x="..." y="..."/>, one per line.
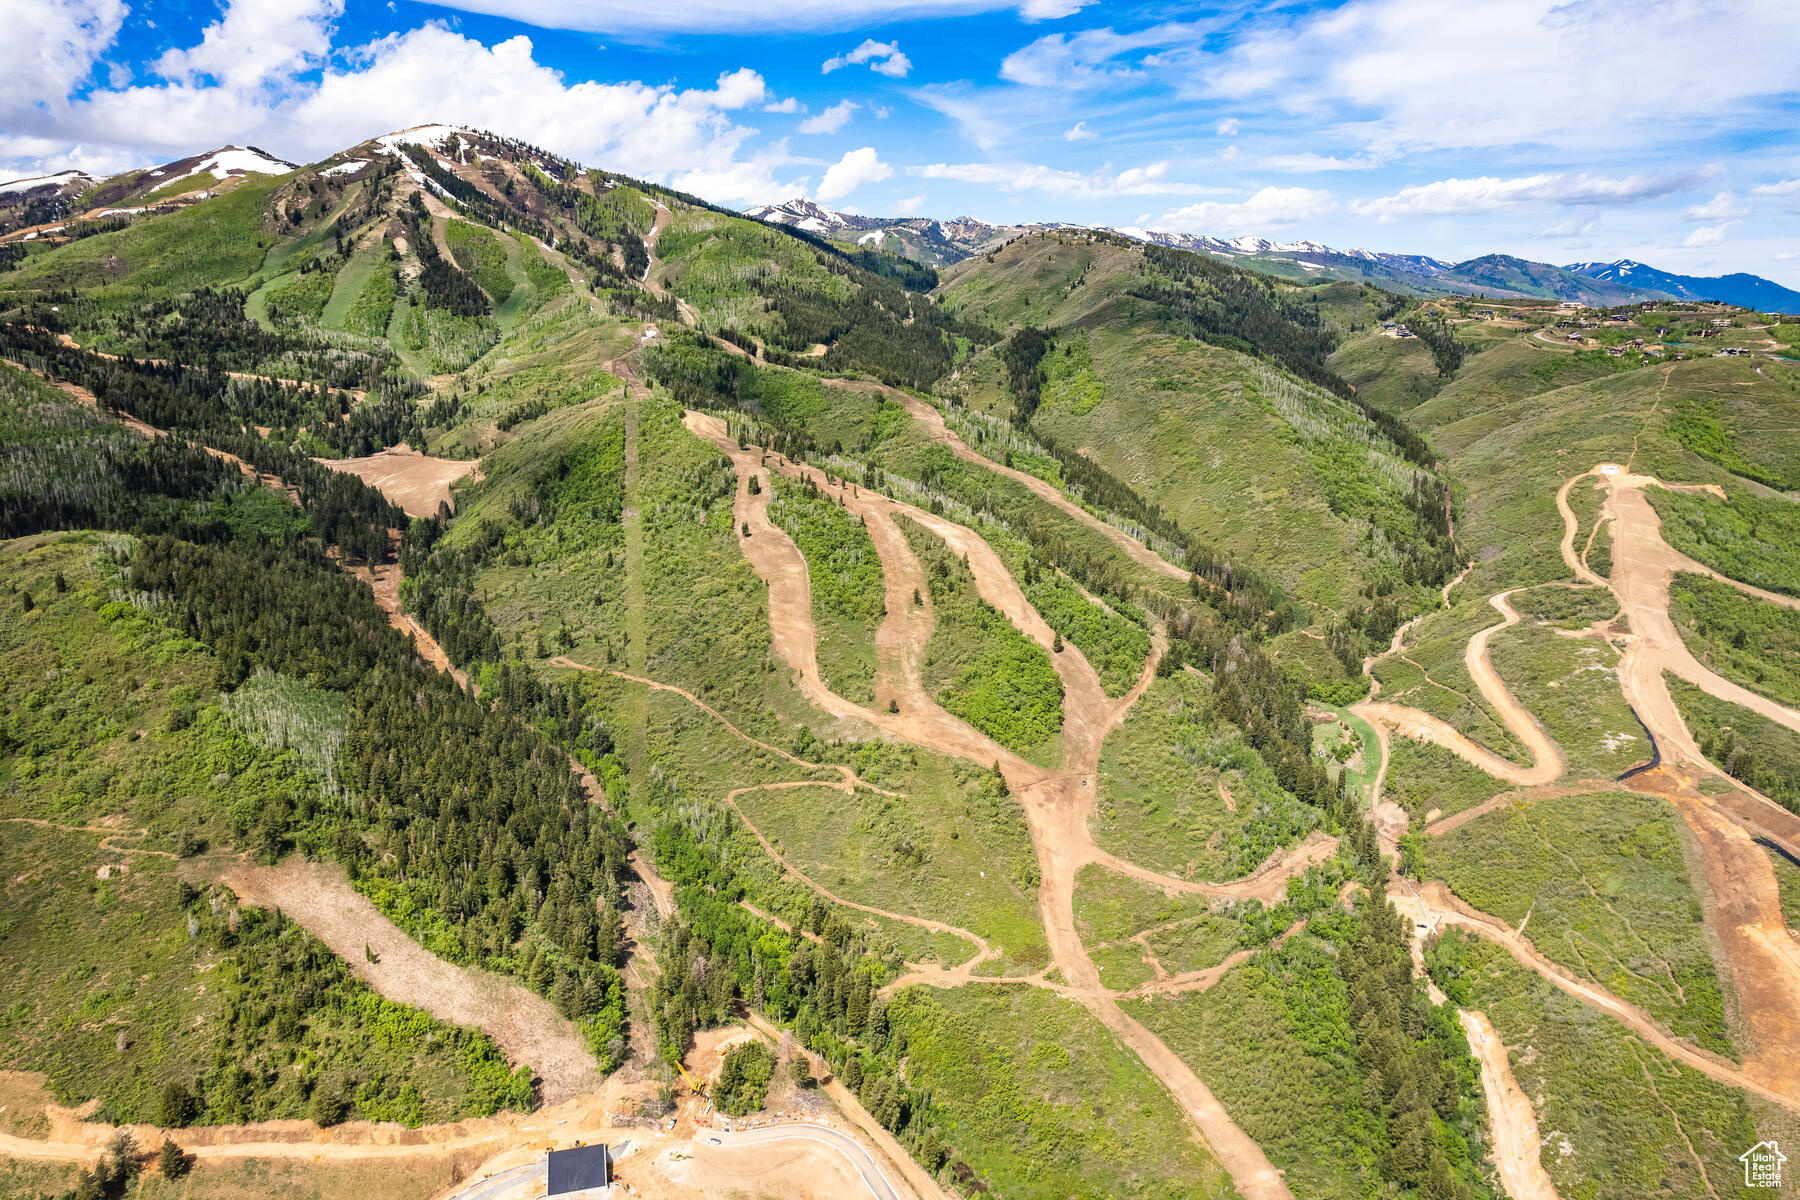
<point x="1057" y="803"/>
<point x="1548" y="762"/>
<point x="1436" y="907"/>
<point x="1745" y="914"/>
<point x="928" y="415"/>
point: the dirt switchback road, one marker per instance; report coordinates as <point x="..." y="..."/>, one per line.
<point x="1057" y="803"/>
<point x="1547" y="758"/>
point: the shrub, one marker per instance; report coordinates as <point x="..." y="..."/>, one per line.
<point x="744" y="1079"/>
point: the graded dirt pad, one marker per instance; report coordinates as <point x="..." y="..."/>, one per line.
<point x="25" y="1099"/>
<point x="525" y="1025"/>
<point x="416" y="482"/>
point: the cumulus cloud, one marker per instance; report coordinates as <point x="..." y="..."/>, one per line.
<point x="1228" y="127"/>
<point x="1707" y="235"/>
<point x="830" y="120"/>
<point x="300" y="105"/>
<point x="256" y="42"/>
<point x="851" y="172"/>
<point x="52" y="46"/>
<point x="884" y="58"/>
<point x="1151" y="180"/>
<point x="1079" y="132"/>
<point x="1270" y="208"/>
<point x="1785" y="187"/>
<point x="1487" y="193"/>
<point x="789" y="105"/>
<point x="1722" y="207"/>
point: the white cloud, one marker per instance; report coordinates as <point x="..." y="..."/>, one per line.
<point x="1270" y="208"/>
<point x="1420" y="74"/>
<point x="1786" y="187"/>
<point x="789" y="105"/>
<point x="882" y="112"/>
<point x="51" y="46"/>
<point x="1228" y="127"/>
<point x="884" y="58"/>
<point x="851" y="172"/>
<point x="714" y="16"/>
<point x="1301" y="164"/>
<point x="1573" y="227"/>
<point x="1722" y="207"/>
<point x="284" y="100"/>
<point x="1428" y="74"/>
<point x="830" y="120"/>
<point x="1079" y="132"/>
<point x="1486" y="193"/>
<point x="1150" y="180"/>
<point x="910" y="204"/>
<point x="1707" y="235"/>
<point x="1091" y="58"/>
<point x="256" y="42"/>
<point x="1052" y="10"/>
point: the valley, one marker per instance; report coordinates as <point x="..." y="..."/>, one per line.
<point x="1108" y="723"/>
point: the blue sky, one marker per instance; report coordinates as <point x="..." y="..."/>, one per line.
<point x="1561" y="130"/>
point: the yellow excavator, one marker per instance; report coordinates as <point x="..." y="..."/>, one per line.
<point x="697" y="1087"/>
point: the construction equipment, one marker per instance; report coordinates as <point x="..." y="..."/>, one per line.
<point x="697" y="1087"/>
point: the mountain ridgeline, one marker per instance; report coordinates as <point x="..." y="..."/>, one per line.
<point x="892" y="630"/>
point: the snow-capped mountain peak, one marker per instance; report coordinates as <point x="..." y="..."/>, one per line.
<point x="801" y="213"/>
<point x="58" y="180"/>
<point x="240" y="160"/>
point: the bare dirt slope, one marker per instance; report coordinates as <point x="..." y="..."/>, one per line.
<point x="524" y="1024"/>
<point x="1512" y="1121"/>
<point x="417" y="482"/>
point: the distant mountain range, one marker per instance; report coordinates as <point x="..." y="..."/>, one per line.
<point x="45" y="202"/>
<point x="1501" y="276"/>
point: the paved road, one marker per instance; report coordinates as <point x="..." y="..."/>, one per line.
<point x="506" y="1181"/>
<point x="872" y="1175"/>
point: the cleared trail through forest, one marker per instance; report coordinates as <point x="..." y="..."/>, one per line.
<point x="1517" y="1149"/>
<point x="928" y="415"/>
<point x="527" y="1028"/>
<point x="1057" y="803"/>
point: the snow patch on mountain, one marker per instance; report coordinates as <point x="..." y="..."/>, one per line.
<point x="60" y="179"/>
<point x="237" y="160"/>
<point x="430" y="136"/>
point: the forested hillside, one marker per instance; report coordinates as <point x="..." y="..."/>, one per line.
<point x="491" y="634"/>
